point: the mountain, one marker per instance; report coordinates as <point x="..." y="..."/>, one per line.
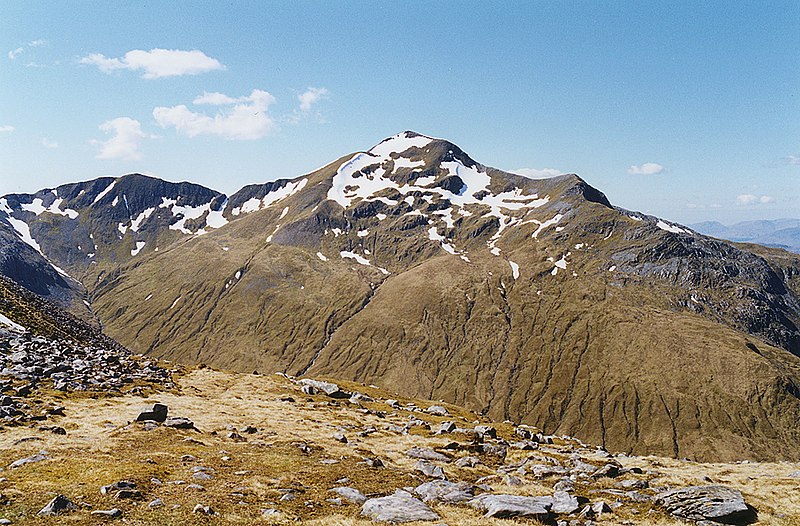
<point x="779" y="233"/>
<point x="414" y="267"/>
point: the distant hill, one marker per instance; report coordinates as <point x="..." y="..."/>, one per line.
<point x="779" y="233"/>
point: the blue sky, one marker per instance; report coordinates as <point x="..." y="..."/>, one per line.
<point x="689" y="112"/>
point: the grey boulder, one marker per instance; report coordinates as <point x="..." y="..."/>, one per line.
<point x="400" y="507"/>
<point x="351" y="494"/>
<point x="507" y="506"/>
<point x="713" y="503"/>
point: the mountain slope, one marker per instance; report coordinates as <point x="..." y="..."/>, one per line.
<point x="416" y="268"/>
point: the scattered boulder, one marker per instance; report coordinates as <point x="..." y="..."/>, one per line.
<point x="351" y="494"/>
<point x="444" y="427"/>
<point x="426" y="453"/>
<point x="59" y="504"/>
<point x="328" y="388"/>
<point x="610" y="470"/>
<point x="340" y="437"/>
<point x="437" y="410"/>
<point x="38" y="457"/>
<point x="156" y="412"/>
<point x="468" y="462"/>
<point x="486" y="431"/>
<point x="398" y="508"/>
<point x="430" y="469"/>
<point x="564" y="503"/>
<point x="712" y="503"/>
<point x="444" y="491"/>
<point x="118" y="486"/>
<point x="179" y="422"/>
<point x="507" y="506"/>
<point x="203" y="510"/>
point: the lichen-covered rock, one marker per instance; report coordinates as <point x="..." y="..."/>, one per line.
<point x="714" y="503"/>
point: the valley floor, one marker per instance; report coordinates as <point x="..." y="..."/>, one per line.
<point x="261" y="443"/>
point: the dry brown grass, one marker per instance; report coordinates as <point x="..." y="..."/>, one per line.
<point x="103" y="446"/>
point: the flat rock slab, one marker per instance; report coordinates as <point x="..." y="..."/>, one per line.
<point x="400" y="507"/>
<point x="713" y="503"/>
<point x="507" y="506"/>
<point x="444" y="491"/>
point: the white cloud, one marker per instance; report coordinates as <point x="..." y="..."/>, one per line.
<point x="14" y="53"/>
<point x="215" y="99"/>
<point x="793" y="159"/>
<point x="246" y="119"/>
<point x="157" y="63"/>
<point x="646" y="169"/>
<point x="47" y="143"/>
<point x="6" y="128"/>
<point x="536" y="173"/>
<point x="37" y="43"/>
<point x="311" y="97"/>
<point x="750" y="199"/>
<point x="127" y="137"/>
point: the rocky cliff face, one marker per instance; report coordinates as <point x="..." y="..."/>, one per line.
<point x="414" y="267"/>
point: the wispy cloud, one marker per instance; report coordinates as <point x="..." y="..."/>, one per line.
<point x="646" y="169"/>
<point x="157" y="63"/>
<point x="751" y="199"/>
<point x="47" y="143"/>
<point x="793" y="159"/>
<point x="310" y="97"/>
<point x="538" y="173"/>
<point x="14" y="53"/>
<point x="245" y="118"/>
<point x="127" y="137"/>
<point x="6" y="128"/>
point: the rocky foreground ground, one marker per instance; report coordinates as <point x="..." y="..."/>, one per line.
<point x="91" y="435"/>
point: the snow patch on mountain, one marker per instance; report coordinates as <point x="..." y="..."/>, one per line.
<point x="671" y="228"/>
<point x="361" y="260"/>
<point x="550" y="222"/>
<point x="254" y="204"/>
<point x="514" y="269"/>
<point x="136" y="223"/>
<point x="399" y="143"/>
<point x="215" y="219"/>
<point x="105" y="192"/>
<point x="139" y="246"/>
<point x="37" y="207"/>
<point x="10" y="324"/>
